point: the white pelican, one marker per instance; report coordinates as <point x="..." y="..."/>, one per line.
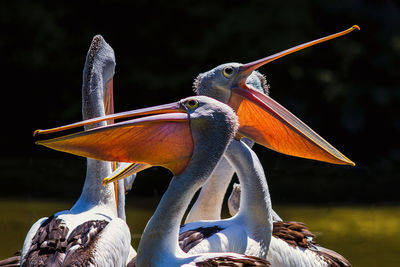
<point x="90" y="233"/>
<point x="298" y="248"/>
<point x="220" y="83"/>
<point x="189" y="137"/>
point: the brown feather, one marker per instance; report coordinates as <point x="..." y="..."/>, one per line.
<point x="46" y="248"/>
<point x="191" y="238"/>
<point x="242" y="261"/>
<point x="13" y="261"/>
<point x="84" y="236"/>
<point x="296" y="234"/>
<point x="50" y="247"/>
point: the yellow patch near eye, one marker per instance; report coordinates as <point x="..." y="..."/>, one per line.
<point x="228" y="71"/>
<point x="192" y="103"/>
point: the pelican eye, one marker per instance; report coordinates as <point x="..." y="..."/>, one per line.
<point x="228" y="71"/>
<point x="192" y="103"/>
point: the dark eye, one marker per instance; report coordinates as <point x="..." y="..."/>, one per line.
<point x="228" y="71"/>
<point x="192" y="103"/>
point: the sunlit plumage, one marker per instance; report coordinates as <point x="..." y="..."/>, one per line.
<point x="90" y="233"/>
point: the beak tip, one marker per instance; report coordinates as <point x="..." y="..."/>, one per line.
<point x="105" y="182"/>
<point x="356" y="27"/>
<point x="36" y="132"/>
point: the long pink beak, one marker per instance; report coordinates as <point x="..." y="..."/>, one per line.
<point x="272" y="125"/>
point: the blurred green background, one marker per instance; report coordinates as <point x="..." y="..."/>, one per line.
<point x="347" y="89"/>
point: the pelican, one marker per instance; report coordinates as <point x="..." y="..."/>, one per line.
<point x="187" y="137"/>
<point x="90" y="233"/>
<point x="222" y="83"/>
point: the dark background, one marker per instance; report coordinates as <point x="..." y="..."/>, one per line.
<point x="347" y="90"/>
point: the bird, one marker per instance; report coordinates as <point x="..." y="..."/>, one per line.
<point x="228" y="84"/>
<point x="297" y="137"/>
<point x="219" y="82"/>
<point x="188" y="138"/>
<point x="90" y="233"/>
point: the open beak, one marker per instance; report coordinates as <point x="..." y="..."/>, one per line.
<point x="269" y="124"/>
<point x="161" y="139"/>
<point x="273" y="126"/>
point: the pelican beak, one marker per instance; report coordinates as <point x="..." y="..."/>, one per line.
<point x="109" y="99"/>
<point x="246" y="69"/>
<point x="268" y="123"/>
<point x="167" y="108"/>
<point x="161" y="139"/>
<point x="124" y="171"/>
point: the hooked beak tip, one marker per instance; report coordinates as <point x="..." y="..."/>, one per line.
<point x="356" y="27"/>
<point x="36" y="132"/>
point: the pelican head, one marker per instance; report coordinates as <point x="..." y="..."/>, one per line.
<point x="218" y="82"/>
<point x="245" y="90"/>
